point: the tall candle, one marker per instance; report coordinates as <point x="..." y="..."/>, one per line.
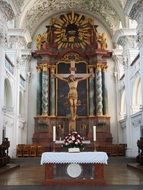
<point x="94" y="133"/>
<point x="54" y="133"/>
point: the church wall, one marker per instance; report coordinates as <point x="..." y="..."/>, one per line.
<point x="110" y="84"/>
<point x="133" y="119"/>
<point x="12" y="122"/>
<point x="130" y="125"/>
<point x="136" y="131"/>
<point x="122" y="132"/>
<point x="32" y="101"/>
<point x="2" y="59"/>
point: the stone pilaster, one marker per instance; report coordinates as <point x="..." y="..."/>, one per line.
<point x="127" y="39"/>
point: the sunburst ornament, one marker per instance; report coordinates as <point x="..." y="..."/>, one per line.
<point x="72" y="31"/>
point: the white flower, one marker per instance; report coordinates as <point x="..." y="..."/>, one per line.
<point x="73" y="138"/>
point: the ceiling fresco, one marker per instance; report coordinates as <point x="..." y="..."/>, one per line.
<point x="34" y="12"/>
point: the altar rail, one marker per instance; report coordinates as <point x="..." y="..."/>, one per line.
<point x="113" y="150"/>
<point x="29" y="150"/>
<point x="35" y="150"/>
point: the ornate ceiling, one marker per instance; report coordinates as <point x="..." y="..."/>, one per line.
<point x="34" y="12"/>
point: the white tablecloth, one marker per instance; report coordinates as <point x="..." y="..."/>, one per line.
<point x="79" y="158"/>
<point x="62" y="142"/>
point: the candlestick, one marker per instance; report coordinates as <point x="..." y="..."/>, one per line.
<point x="54" y="133"/>
<point x="94" y="133"/>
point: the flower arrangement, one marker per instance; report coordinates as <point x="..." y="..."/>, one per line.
<point x="73" y="140"/>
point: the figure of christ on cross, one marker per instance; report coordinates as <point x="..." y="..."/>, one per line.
<point x="73" y="81"/>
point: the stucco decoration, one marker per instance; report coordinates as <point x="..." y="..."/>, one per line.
<point x="19" y="3"/>
<point x="43" y="9"/>
<point x="7" y="10"/>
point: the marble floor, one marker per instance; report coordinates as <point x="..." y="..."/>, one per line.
<point x="31" y="172"/>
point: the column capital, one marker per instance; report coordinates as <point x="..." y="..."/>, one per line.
<point x="125" y="37"/>
<point x="134" y="9"/>
<point x="52" y="69"/>
<point x="42" y="67"/>
<point x="100" y="66"/>
<point x="19" y="38"/>
<point x="91" y="67"/>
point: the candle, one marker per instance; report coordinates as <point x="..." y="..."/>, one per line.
<point x="94" y="133"/>
<point x="54" y="133"/>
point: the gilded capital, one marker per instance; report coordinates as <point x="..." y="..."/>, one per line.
<point x="52" y="69"/>
<point x="91" y="69"/>
<point x="99" y="66"/>
<point x="104" y="67"/>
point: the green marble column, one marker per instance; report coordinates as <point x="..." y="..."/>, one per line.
<point x="104" y="92"/>
<point x="52" y="94"/>
<point x="45" y="92"/>
<point x="39" y="93"/>
<point x="99" y="103"/>
<point x="91" y="93"/>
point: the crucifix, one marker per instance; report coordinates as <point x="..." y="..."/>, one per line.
<point x="72" y="80"/>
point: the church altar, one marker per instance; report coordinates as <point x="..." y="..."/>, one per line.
<point x="75" y="162"/>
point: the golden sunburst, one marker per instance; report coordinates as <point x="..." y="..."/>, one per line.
<point x="72" y="30"/>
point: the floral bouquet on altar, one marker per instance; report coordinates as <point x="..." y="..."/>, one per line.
<point x="73" y="140"/>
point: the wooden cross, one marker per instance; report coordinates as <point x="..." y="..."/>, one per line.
<point x="72" y="71"/>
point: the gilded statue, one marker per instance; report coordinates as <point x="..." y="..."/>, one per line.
<point x="101" y="38"/>
<point x="40" y="40"/>
<point x="72" y="94"/>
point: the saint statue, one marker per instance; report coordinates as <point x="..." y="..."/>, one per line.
<point x="72" y="94"/>
<point x="102" y="41"/>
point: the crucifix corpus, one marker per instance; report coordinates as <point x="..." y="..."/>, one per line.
<point x="72" y="80"/>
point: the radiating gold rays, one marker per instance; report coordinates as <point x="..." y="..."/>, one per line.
<point x="72" y="30"/>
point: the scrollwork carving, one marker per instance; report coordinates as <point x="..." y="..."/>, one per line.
<point x="7" y="10"/>
<point x="41" y="9"/>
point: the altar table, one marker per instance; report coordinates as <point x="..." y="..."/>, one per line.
<point x="97" y="159"/>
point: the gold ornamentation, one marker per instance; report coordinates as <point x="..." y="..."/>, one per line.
<point x="102" y="41"/>
<point x="71" y="56"/>
<point x="40" y="40"/>
<point x="101" y="66"/>
<point x="72" y="30"/>
<point x="42" y="67"/>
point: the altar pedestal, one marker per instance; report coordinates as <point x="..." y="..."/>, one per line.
<point x="97" y="159"/>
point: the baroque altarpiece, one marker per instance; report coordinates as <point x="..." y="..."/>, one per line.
<point x="71" y="46"/>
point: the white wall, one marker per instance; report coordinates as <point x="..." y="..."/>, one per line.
<point x="32" y="100"/>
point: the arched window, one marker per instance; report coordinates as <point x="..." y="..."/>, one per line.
<point x="136" y="95"/>
<point x="123" y="104"/>
<point x="7" y="94"/>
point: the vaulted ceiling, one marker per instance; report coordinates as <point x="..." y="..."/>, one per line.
<point x="34" y="12"/>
